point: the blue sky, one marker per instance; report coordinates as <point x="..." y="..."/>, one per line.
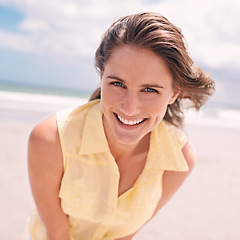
<point x="52" y="43"/>
<point x="10" y="17"/>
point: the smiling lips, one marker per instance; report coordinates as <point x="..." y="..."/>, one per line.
<point x="129" y="122"/>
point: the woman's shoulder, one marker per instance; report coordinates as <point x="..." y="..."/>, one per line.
<point x="186" y="146"/>
<point x="46" y="132"/>
<point x="74" y="117"/>
<point x="44" y="143"/>
<point x="179" y="134"/>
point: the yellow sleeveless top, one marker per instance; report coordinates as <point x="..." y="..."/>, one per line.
<point x="89" y="188"/>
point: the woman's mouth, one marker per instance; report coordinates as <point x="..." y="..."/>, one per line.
<point x="129" y="122"/>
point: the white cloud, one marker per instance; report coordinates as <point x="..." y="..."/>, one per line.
<point x="66" y="31"/>
<point x="63" y="31"/>
<point x="210" y="27"/>
<point x="17" y="42"/>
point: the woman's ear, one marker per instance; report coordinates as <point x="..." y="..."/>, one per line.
<point x="174" y="96"/>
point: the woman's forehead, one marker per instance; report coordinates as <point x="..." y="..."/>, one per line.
<point x="129" y="62"/>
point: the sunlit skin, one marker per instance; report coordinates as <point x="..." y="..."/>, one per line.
<point x="136" y="87"/>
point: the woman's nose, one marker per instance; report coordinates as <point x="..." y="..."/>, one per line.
<point x="130" y="104"/>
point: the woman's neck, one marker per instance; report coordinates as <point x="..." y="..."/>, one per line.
<point x="120" y="150"/>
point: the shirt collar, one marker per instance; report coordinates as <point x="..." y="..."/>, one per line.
<point x="165" y="152"/>
<point x="94" y="138"/>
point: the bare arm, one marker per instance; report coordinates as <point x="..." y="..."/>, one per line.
<point x="45" y="166"/>
<point x="173" y="180"/>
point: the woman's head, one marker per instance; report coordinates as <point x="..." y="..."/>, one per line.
<point x="154" y="32"/>
<point x="136" y="88"/>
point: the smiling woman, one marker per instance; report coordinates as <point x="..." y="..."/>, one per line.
<point x="102" y="170"/>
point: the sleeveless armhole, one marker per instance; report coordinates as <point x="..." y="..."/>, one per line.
<point x="68" y="120"/>
<point x="181" y="136"/>
<point x="62" y="117"/>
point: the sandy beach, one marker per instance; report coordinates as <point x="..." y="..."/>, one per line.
<point x="207" y="206"/>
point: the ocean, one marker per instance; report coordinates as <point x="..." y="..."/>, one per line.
<point x="33" y="104"/>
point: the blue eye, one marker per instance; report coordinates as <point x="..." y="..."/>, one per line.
<point x="150" y="90"/>
<point x="118" y="84"/>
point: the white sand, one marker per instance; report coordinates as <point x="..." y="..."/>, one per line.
<point x="207" y="207"/>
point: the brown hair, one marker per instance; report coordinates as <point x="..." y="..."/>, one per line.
<point x="154" y="32"/>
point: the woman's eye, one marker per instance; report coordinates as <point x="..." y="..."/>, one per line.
<point x="118" y="84"/>
<point x="150" y="90"/>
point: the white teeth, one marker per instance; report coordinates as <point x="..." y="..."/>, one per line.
<point x="130" y="122"/>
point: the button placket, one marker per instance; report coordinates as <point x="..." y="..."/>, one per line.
<point x="77" y="198"/>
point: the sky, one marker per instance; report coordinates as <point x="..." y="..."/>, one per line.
<point x="52" y="43"/>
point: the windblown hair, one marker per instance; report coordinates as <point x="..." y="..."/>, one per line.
<point x="154" y="32"/>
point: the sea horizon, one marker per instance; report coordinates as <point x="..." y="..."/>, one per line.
<point x="42" y="89"/>
<point x="17" y="98"/>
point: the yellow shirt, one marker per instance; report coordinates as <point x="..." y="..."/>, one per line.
<point x="89" y="188"/>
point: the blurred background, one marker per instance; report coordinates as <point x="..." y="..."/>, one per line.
<point x="47" y="52"/>
<point x="50" y="45"/>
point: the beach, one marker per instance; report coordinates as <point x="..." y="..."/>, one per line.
<point x="206" y="207"/>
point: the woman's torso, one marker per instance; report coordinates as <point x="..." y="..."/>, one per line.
<point x="98" y="206"/>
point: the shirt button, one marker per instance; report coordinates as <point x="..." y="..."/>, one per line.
<point x="76" y="198"/>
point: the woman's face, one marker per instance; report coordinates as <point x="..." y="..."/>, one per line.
<point x="136" y="87"/>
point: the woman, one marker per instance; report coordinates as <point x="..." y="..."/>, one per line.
<point x="101" y="171"/>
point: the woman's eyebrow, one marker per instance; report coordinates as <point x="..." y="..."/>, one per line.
<point x="152" y="86"/>
<point x="143" y="85"/>
<point x="116" y="78"/>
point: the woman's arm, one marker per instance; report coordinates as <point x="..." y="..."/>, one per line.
<point x="45" y="166"/>
<point x="173" y="180"/>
